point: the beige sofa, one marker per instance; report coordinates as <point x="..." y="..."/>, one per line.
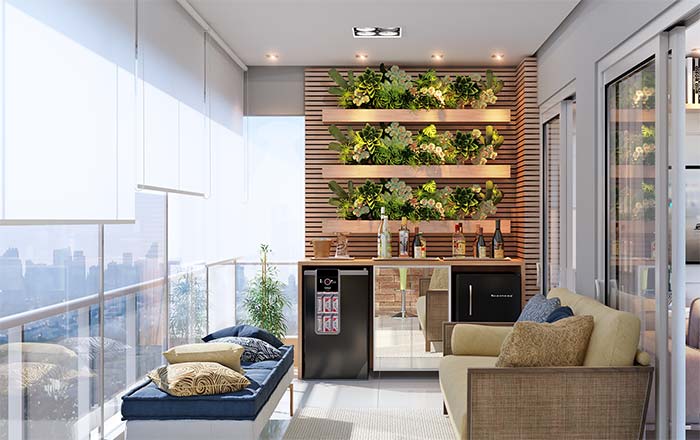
<point x="606" y="398"/>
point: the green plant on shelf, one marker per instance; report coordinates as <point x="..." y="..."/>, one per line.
<point x="395" y="145"/>
<point x="636" y="147"/>
<point x="426" y="202"/>
<point x="393" y="88"/>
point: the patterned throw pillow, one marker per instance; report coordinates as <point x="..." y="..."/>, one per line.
<point x="561" y="344"/>
<point x="539" y="308"/>
<point x="224" y="353"/>
<point x="254" y="350"/>
<point x="197" y="379"/>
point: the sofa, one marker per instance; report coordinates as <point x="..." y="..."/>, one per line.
<point x="150" y="413"/>
<point x="432" y="305"/>
<point x="606" y="398"/>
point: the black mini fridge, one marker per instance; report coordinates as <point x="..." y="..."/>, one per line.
<point x="486" y="297"/>
<point x="336" y="320"/>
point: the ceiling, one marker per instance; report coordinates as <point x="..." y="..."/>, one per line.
<point x="319" y="32"/>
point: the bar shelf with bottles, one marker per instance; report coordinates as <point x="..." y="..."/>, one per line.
<point x="369" y="227"/>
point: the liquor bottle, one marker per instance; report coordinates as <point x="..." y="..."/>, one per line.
<point x="404" y="243"/>
<point x="459" y="244"/>
<point x="379" y="234"/>
<point x="481" y="244"/>
<point x="419" y="245"/>
<point x="497" y="245"/>
<point x="476" y="241"/>
<point x="385" y="238"/>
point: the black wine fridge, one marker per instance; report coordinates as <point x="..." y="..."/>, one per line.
<point x="335" y="323"/>
<point x="486" y="297"/>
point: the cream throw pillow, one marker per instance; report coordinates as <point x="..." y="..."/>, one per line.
<point x="224" y="353"/>
<point x="561" y="344"/>
<point x="197" y="379"/>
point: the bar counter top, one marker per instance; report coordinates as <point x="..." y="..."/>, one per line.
<point x="411" y="262"/>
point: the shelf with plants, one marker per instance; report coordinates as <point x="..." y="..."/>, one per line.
<point x="369" y="227"/>
<point x="446" y="116"/>
<point x="416" y="172"/>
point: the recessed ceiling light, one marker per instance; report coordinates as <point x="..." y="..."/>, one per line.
<point x="361" y="56"/>
<point x="376" y="32"/>
<point x="272" y="56"/>
<point x="497" y="56"/>
<point x="437" y="56"/>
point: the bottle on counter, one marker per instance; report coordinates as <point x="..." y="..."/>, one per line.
<point x="459" y="243"/>
<point x="480" y="246"/>
<point x="384" y="237"/>
<point x="419" y="245"/>
<point x="404" y="242"/>
<point x="497" y="244"/>
<point x="475" y="244"/>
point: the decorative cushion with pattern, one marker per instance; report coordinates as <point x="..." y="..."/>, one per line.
<point x="562" y="312"/>
<point x="197" y="379"/>
<point x="539" y="308"/>
<point x="561" y="344"/>
<point x="254" y="350"/>
<point x="245" y="331"/>
<point x="224" y="353"/>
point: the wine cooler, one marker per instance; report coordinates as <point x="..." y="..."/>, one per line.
<point x="486" y="297"/>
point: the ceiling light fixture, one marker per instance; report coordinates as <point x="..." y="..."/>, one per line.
<point x="272" y="56"/>
<point x="437" y="57"/>
<point x="497" y="56"/>
<point x="361" y="56"/>
<point x="376" y="32"/>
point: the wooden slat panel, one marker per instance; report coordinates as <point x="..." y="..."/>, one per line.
<point x="341" y="115"/>
<point x="416" y="172"/>
<point x="520" y="151"/>
<point x="369" y="227"/>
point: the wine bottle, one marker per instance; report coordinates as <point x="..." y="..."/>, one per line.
<point x="497" y="245"/>
<point x="379" y="234"/>
<point x="419" y="245"/>
<point x="385" y="240"/>
<point x="481" y="244"/>
<point x="404" y="239"/>
<point x="459" y="244"/>
<point x="476" y="241"/>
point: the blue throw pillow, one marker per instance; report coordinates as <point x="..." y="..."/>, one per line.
<point x="539" y="308"/>
<point x="245" y="331"/>
<point x="560" y="313"/>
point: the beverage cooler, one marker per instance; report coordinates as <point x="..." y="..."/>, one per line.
<point x="486" y="297"/>
<point x="335" y="323"/>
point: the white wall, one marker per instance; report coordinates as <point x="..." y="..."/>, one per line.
<point x="593" y="29"/>
<point x="275" y="91"/>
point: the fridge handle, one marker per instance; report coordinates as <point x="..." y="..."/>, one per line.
<point x="470" y="300"/>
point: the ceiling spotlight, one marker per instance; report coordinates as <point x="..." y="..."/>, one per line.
<point x="497" y="56"/>
<point x="361" y="56"/>
<point x="437" y="56"/>
<point x="376" y="32"/>
<point x="272" y="56"/>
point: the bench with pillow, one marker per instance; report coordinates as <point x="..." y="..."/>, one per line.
<point x="151" y="412"/>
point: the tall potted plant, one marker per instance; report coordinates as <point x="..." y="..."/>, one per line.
<point x="265" y="301"/>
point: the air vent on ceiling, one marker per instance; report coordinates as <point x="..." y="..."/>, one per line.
<point x="376" y="32"/>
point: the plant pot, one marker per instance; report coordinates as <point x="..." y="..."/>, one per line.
<point x="322" y="248"/>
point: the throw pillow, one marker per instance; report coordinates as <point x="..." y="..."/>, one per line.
<point x="197" y="379"/>
<point x="226" y="354"/>
<point x="255" y="350"/>
<point x="561" y="344"/>
<point x="538" y="308"/>
<point x="560" y="313"/>
<point x="41" y="352"/>
<point x="245" y="331"/>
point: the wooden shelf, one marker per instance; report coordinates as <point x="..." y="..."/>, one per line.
<point x="633" y="115"/>
<point x="418" y="172"/>
<point x="369" y="227"/>
<point x="337" y="115"/>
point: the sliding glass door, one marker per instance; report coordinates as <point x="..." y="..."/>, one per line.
<point x="552" y="203"/>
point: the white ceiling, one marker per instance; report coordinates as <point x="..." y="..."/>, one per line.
<point x="319" y="32"/>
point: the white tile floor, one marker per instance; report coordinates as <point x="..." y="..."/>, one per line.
<point x="383" y="390"/>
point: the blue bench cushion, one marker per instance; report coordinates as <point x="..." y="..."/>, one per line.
<point x="148" y="402"/>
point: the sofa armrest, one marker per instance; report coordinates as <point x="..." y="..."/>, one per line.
<point x="482" y="339"/>
<point x="575" y="402"/>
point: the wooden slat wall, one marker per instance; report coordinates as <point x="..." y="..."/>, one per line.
<point x="520" y="150"/>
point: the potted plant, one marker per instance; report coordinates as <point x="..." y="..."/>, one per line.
<point x="265" y="301"/>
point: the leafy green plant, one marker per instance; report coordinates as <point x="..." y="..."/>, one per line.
<point x="490" y="141"/>
<point x="344" y="200"/>
<point x="395" y="89"/>
<point x="465" y="200"/>
<point x="265" y="302"/>
<point x="466" y="145"/>
<point x="466" y="90"/>
<point x="431" y="148"/>
<point x="344" y="88"/>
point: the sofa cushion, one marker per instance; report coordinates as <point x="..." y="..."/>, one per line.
<point x="245" y="331"/>
<point x="562" y="312"/>
<point x="254" y="350"/>
<point x="561" y="344"/>
<point x="538" y="308"/>
<point x="228" y="355"/>
<point x="197" y="379"/>
<point x="453" y="383"/>
<point x="478" y="340"/>
<point x="615" y="336"/>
